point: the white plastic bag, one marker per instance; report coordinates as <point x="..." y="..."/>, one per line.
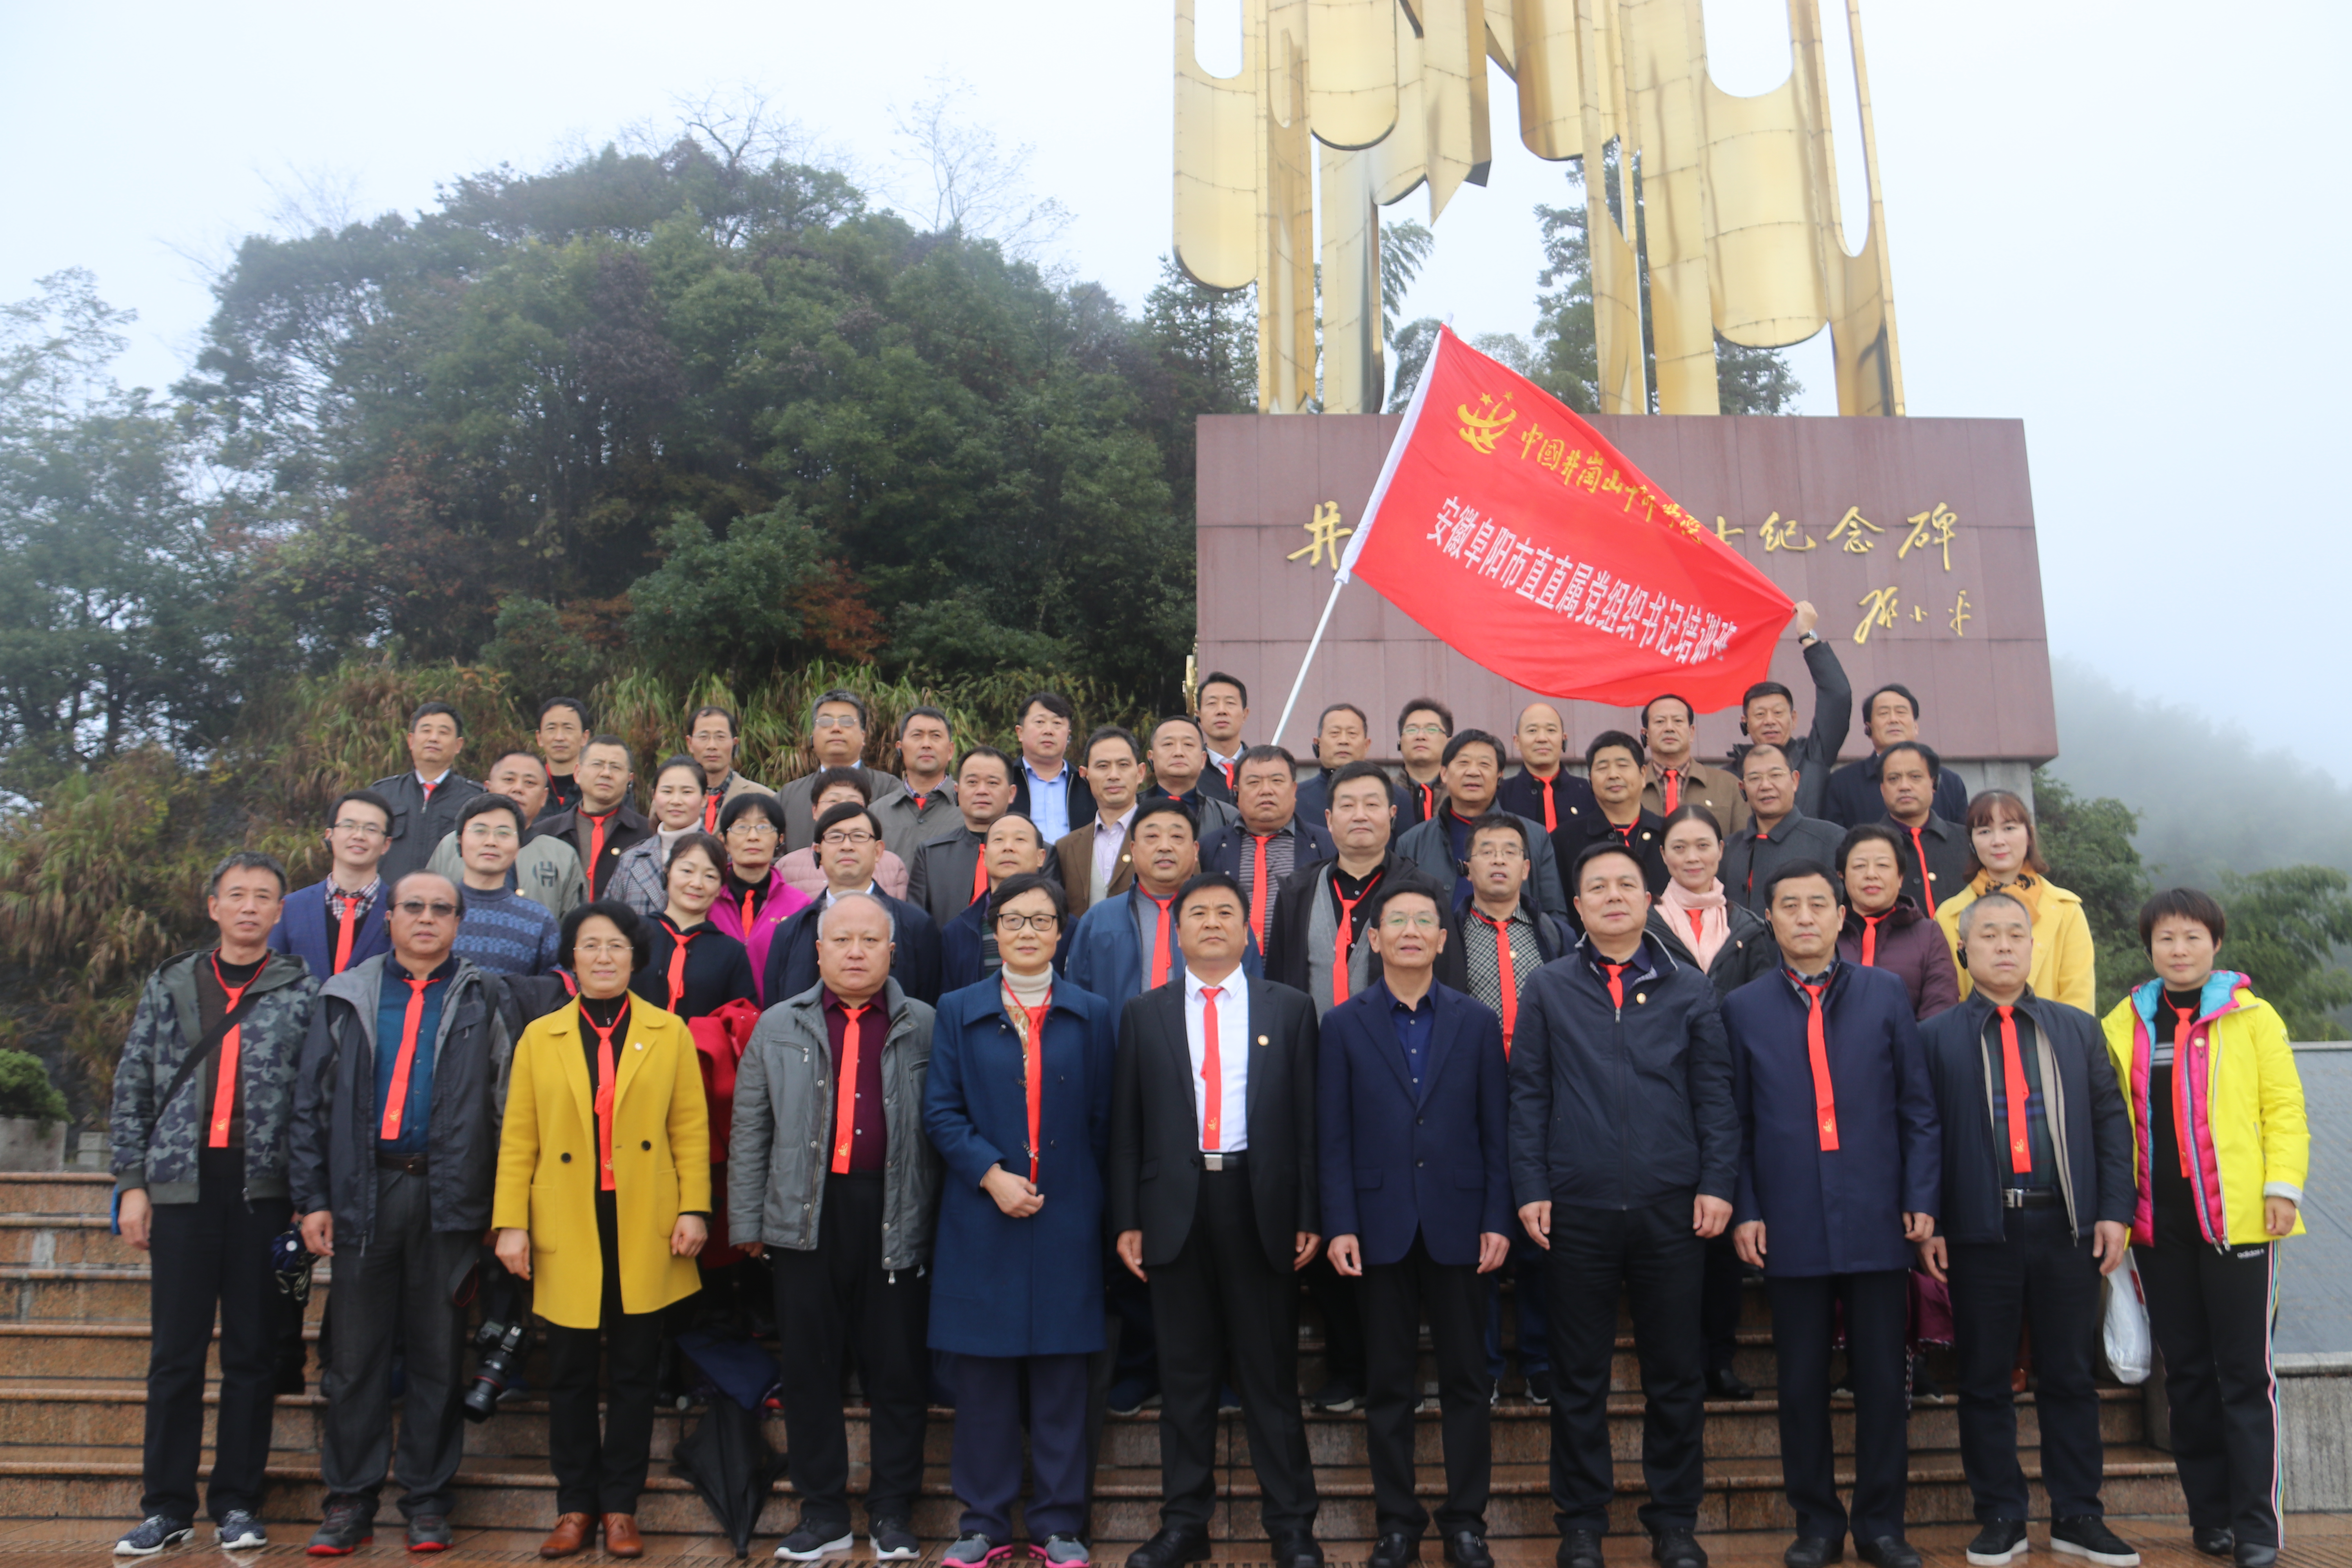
<point x="2131" y="1350"/>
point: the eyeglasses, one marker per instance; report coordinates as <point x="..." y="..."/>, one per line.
<point x="1044" y="923"/>
<point x="837" y="721"/>
<point x="839" y="839"/>
<point x="752" y="830"/>
<point x="1401" y="921"/>
<point x="365" y="829"/>
<point x="1433" y="731"/>
<point x="492" y="832"/>
<point x="439" y="908"/>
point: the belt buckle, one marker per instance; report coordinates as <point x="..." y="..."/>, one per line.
<point x="2013" y="1197"/>
<point x="1212" y="1161"/>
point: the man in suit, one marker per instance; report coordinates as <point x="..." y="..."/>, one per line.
<point x="1890" y="716"/>
<point x="1179" y="753"/>
<point x="712" y="741"/>
<point x="1840" y="1176"/>
<point x="1936" y="854"/>
<point x="1440" y="846"/>
<point x="1622" y="1187"/>
<point x="1213" y="1194"/>
<point x="927" y="808"/>
<point x="1767" y="715"/>
<point x="1045" y="788"/>
<point x="837" y="726"/>
<point x="848" y="860"/>
<point x="1224" y="708"/>
<point x="1676" y="778"/>
<point x="425" y="799"/>
<point x="604" y="823"/>
<point x="1543" y="790"/>
<point x="1273" y="839"/>
<point x="1416" y="1197"/>
<point x="968" y="943"/>
<point x="336" y="924"/>
<point x="1129" y="943"/>
<point x="1095" y="861"/>
<point x="1779" y="833"/>
<point x="1613" y="767"/>
<point x="946" y="876"/>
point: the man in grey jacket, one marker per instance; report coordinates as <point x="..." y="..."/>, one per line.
<point x="394" y="1151"/>
<point x="829" y="1170"/>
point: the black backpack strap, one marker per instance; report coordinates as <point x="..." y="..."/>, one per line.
<point x="206" y="1047"/>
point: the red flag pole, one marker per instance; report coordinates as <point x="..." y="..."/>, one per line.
<point x="1363" y="528"/>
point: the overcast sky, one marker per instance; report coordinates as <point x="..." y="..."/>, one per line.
<point x="2119" y="223"/>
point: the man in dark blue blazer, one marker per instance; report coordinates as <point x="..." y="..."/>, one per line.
<point x="914" y="940"/>
<point x="1840" y="1176"/>
<point x="1111" y="953"/>
<point x="1411" y="1138"/>
<point x="1273" y="838"/>
<point x="334" y="924"/>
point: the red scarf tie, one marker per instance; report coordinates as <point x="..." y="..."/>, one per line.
<point x="1545" y="787"/>
<point x="679" y="941"/>
<point x="1927" y="883"/>
<point x="1213" y="1077"/>
<point x="1428" y="800"/>
<point x="347" y="919"/>
<point x="396" y="1100"/>
<point x="1227" y="769"/>
<point x="1257" y="891"/>
<point x="1817" y="1049"/>
<point x="1616" y="983"/>
<point x="1032" y="1064"/>
<point x="597" y="848"/>
<point x="1699" y="927"/>
<point x="979" y="876"/>
<point x="225" y="1093"/>
<point x="428" y="789"/>
<point x="1870" y="938"/>
<point x="712" y="799"/>
<point x="845" y="1093"/>
<point x="1346" y="929"/>
<point x="751" y="907"/>
<point x="605" y="1070"/>
<point x="2012" y="1075"/>
<point x="1670" y="790"/>
<point x="1509" y="987"/>
<point x="1159" y="948"/>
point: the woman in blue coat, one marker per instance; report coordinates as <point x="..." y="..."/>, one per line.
<point x="1018" y="1105"/>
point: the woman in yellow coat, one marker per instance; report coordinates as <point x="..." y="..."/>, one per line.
<point x="604" y="1185"/>
<point x="2005" y="853"/>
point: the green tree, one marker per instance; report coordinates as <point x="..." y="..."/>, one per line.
<point x="2288" y="928"/>
<point x="2088" y="846"/>
<point x="727" y="605"/>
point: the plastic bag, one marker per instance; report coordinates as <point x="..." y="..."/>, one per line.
<point x="2130" y="1348"/>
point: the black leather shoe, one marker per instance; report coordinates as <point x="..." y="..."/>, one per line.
<point x="1296" y="1552"/>
<point x="1813" y="1551"/>
<point x="1467" y="1548"/>
<point x="1728" y="1384"/>
<point x="1887" y="1552"/>
<point x="1999" y="1541"/>
<point x="2087" y="1535"/>
<point x="2219" y="1543"/>
<point x="1580" y="1549"/>
<point x="1394" y="1549"/>
<point x="1678" y="1549"/>
<point x="2255" y="1554"/>
<point x="1174" y="1546"/>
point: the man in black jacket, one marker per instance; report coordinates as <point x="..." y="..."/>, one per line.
<point x="944" y="877"/>
<point x="1624" y="1155"/>
<point x="1213" y="1199"/>
<point x="1779" y="832"/>
<point x="1273" y="840"/>
<point x="2037" y="1204"/>
<point x="1890" y="718"/>
<point x="1936" y="857"/>
<point x="1767" y="713"/>
<point x="427" y="798"/>
<point x="604" y="823"/>
<point x="395" y="1143"/>
<point x="1303" y="944"/>
<point x="848" y="868"/>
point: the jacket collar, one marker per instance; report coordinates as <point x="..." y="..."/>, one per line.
<point x="1899" y="916"/>
<point x="2221" y="995"/>
<point x="1780" y="831"/>
<point x="1650" y="961"/>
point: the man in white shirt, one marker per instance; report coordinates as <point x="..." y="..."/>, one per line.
<point x="1224" y="708"/>
<point x="1049" y="791"/>
<point x="1094" y="860"/>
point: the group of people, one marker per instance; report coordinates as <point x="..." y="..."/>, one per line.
<point x="1053" y="1077"/>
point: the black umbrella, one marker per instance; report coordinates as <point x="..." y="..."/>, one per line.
<point x="727" y="1457"/>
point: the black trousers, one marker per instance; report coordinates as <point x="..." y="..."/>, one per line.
<point x="395" y="1293"/>
<point x="1804" y="1318"/>
<point x="1652" y="1255"/>
<point x="1341" y="1301"/>
<point x="207" y="1256"/>
<point x="2210" y="1308"/>
<point x="1719" y="1302"/>
<point x="986" y="1466"/>
<point x="593" y="1474"/>
<point x="1525" y="1268"/>
<point x="829" y="1298"/>
<point x="1221" y="1303"/>
<point x="2043" y="1279"/>
<point x="1395" y="1295"/>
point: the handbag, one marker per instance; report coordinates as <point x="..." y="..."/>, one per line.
<point x="2125" y="1337"/>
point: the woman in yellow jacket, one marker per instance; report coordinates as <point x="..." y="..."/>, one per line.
<point x="2005" y="853"/>
<point x="2219" y="1149"/>
<point x="603" y="1183"/>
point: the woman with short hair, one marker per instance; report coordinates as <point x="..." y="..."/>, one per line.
<point x="603" y="1192"/>
<point x="1697" y="923"/>
<point x="692" y="968"/>
<point x="1884" y="930"/>
<point x="1018" y="1105"/>
<point x="676" y="809"/>
<point x="2220" y="1150"/>
<point x="2005" y="852"/>
<point x="756" y="898"/>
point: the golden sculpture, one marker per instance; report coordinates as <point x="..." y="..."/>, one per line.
<point x="1739" y="194"/>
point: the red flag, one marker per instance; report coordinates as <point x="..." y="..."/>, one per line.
<point x="1507" y="526"/>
